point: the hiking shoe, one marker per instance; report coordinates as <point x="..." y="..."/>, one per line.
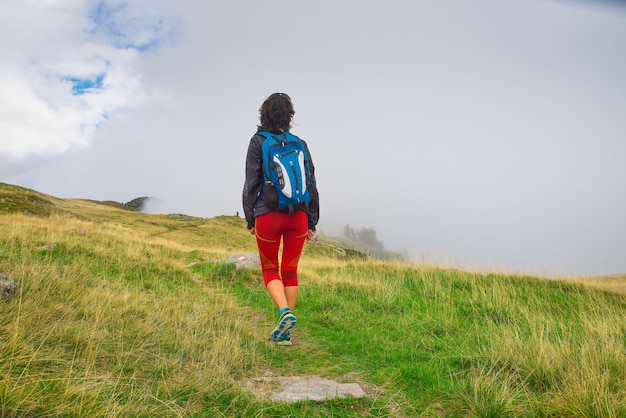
<point x="281" y="333"/>
<point x="285" y="343"/>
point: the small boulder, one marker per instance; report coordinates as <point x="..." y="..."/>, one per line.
<point x="49" y="247"/>
<point x="301" y="388"/>
<point x="317" y="389"/>
<point x="8" y="288"/>
<point x="245" y="261"/>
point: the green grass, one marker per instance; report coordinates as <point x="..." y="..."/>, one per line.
<point x="128" y="314"/>
<point x="464" y="344"/>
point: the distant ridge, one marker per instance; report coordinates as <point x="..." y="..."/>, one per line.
<point x="18" y="199"/>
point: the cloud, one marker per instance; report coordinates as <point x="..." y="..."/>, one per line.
<point x="468" y="131"/>
<point x="127" y="25"/>
<point x="68" y="66"/>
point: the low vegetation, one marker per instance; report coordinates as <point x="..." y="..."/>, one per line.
<point x="122" y="313"/>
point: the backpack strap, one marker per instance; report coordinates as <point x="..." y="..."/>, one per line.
<point x="266" y="169"/>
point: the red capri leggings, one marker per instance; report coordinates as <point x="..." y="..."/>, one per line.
<point x="270" y="228"/>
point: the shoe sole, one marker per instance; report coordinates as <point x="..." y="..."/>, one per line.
<point x="281" y="332"/>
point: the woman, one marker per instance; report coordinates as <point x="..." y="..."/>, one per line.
<point x="270" y="226"/>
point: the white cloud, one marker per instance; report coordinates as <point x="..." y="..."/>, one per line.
<point x="66" y="67"/>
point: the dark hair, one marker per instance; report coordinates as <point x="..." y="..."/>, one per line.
<point x="276" y="113"/>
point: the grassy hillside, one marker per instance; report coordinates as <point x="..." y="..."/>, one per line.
<point x="127" y="314"/>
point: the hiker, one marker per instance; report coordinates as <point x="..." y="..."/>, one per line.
<point x="280" y="204"/>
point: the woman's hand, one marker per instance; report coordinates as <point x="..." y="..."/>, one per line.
<point x="251" y="231"/>
<point x="310" y="234"/>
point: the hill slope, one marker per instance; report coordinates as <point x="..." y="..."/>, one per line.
<point x="128" y="314"/>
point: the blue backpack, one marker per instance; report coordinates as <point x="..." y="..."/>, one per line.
<point x="286" y="171"/>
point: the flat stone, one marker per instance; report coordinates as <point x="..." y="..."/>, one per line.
<point x="8" y="288"/>
<point x="47" y="247"/>
<point x="316" y="389"/>
<point x="245" y="261"/>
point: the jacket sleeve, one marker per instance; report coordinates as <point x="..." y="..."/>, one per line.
<point x="254" y="179"/>
<point x="313" y="210"/>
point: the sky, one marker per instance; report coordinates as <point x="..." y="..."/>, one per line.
<point x="487" y="135"/>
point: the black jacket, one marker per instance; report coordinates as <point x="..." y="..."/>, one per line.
<point x="252" y="205"/>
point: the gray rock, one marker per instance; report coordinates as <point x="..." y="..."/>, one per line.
<point x="245" y="261"/>
<point x="316" y="389"/>
<point x="8" y="288"/>
<point x="49" y="247"/>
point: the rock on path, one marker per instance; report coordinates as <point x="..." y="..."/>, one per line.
<point x="245" y="261"/>
<point x="317" y="390"/>
<point x="293" y="389"/>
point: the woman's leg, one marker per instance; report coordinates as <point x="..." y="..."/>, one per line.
<point x="293" y="241"/>
<point x="291" y="295"/>
<point x="278" y="293"/>
<point x="268" y="236"/>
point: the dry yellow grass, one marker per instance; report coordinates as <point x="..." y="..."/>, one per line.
<point x="614" y="283"/>
<point x="109" y="311"/>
